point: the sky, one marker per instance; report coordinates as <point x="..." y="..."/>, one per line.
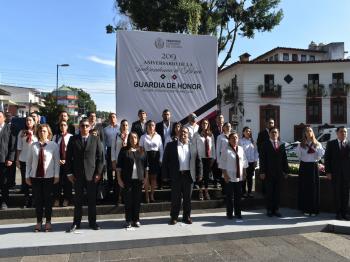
<point x="37" y="35"/>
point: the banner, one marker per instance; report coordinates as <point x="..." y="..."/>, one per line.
<point x="158" y="70"/>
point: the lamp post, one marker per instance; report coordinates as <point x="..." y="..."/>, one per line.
<point x="57" y="66"/>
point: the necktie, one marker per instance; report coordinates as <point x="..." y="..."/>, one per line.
<point x="311" y="149"/>
<point x="275" y="145"/>
<point x="238" y="169"/>
<point x="40" y="171"/>
<point x="29" y="135"/>
<point x="63" y="148"/>
<point x="207" y="147"/>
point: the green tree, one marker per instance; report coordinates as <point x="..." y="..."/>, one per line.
<point x="51" y="110"/>
<point x="85" y="103"/>
<point x="225" y="19"/>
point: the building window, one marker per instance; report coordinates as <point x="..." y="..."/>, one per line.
<point x="285" y="57"/>
<point x="294" y="57"/>
<point x="269" y="81"/>
<point x="276" y="57"/>
<point x="313" y="79"/>
<point x="312" y="58"/>
<point x="303" y="58"/>
<point x="338" y="110"/>
<point x="271" y="58"/>
<point x="314" y="110"/>
<point x="338" y="78"/>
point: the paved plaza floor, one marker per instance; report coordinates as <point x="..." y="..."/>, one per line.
<point x="18" y="239"/>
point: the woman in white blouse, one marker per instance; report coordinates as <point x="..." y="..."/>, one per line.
<point x="152" y="144"/>
<point x="175" y="133"/>
<point x="43" y="171"/>
<point x="309" y="151"/>
<point x="64" y="186"/>
<point x="25" y="138"/>
<point x="222" y="142"/>
<point x="118" y="142"/>
<point x="252" y="155"/>
<point x="205" y="144"/>
<point x="234" y="169"/>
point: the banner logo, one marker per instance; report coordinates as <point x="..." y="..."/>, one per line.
<point x="159" y="43"/>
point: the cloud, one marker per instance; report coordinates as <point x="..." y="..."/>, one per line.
<point x="101" y="61"/>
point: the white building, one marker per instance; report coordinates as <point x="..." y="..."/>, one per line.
<point x="293" y="86"/>
<point x="22" y="100"/>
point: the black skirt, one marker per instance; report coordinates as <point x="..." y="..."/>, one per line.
<point x="309" y="188"/>
<point x="153" y="158"/>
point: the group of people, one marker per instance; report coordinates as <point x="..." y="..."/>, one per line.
<point x="55" y="161"/>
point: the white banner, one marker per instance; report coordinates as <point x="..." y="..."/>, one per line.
<point x="158" y="70"/>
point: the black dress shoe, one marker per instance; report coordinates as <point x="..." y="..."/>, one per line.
<point x="229" y="217"/>
<point x="95" y="227"/>
<point x="277" y="214"/>
<point x="238" y="217"/>
<point x="269" y="213"/>
<point x="339" y="217"/>
<point x="172" y="222"/>
<point x="72" y="228"/>
<point x="345" y="217"/>
<point x="187" y="221"/>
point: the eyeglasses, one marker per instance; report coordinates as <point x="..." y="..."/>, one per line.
<point x="85" y="126"/>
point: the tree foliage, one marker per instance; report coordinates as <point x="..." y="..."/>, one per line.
<point x="85" y="103"/>
<point x="226" y="19"/>
<point x="51" y="110"/>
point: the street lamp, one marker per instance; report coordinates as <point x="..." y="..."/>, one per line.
<point x="57" y="66"/>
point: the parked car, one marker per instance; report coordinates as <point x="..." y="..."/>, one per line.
<point x="327" y="135"/>
<point x="291" y="153"/>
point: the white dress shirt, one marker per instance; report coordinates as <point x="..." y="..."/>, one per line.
<point x="2" y="126"/>
<point x="117" y="144"/>
<point x="110" y="132"/>
<point x="199" y="141"/>
<point x="304" y="156"/>
<point x="166" y="132"/>
<point x="23" y="146"/>
<point x="250" y="150"/>
<point x="192" y="130"/>
<point x="340" y="142"/>
<point x="154" y="143"/>
<point x="184" y="153"/>
<point x="221" y="144"/>
<point x="51" y="160"/>
<point x="229" y="163"/>
<point x="66" y="140"/>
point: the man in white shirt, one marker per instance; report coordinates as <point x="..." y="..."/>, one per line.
<point x="192" y="125"/>
<point x="110" y="132"/>
<point x="179" y="165"/>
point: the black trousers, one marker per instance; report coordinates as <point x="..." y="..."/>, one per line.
<point x="110" y="179"/>
<point x="42" y="193"/>
<point x="207" y="164"/>
<point x="181" y="188"/>
<point x="64" y="186"/>
<point x="3" y="183"/>
<point x="248" y="182"/>
<point x="273" y="192"/>
<point x="132" y="200"/>
<point x="217" y="174"/>
<point x="309" y="188"/>
<point x="24" y="186"/>
<point x="80" y="184"/>
<point x="233" y="190"/>
<point x="341" y="194"/>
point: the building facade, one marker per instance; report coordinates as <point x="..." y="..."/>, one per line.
<point x="296" y="87"/>
<point x="68" y="98"/>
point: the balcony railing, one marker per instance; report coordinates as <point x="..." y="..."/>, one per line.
<point x="270" y="90"/>
<point x="315" y="90"/>
<point x="339" y="89"/>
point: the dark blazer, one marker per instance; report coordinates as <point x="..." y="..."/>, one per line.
<point x="84" y="160"/>
<point x="126" y="160"/>
<point x="216" y="131"/>
<point x="7" y="144"/>
<point x="337" y="163"/>
<point x="263" y="136"/>
<point x="171" y="165"/>
<point x="273" y="163"/>
<point x="160" y="130"/>
<point x="100" y="132"/>
<point x="137" y="128"/>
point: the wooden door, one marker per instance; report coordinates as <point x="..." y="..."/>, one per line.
<point x="267" y="112"/>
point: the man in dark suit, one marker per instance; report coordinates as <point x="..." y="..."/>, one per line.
<point x="179" y="165"/>
<point x="337" y="166"/>
<point x="273" y="167"/>
<point x="164" y="127"/>
<point x="7" y="157"/>
<point x="264" y="135"/>
<point x="139" y="126"/>
<point x="95" y="127"/>
<point x="63" y="116"/>
<point x="217" y="130"/>
<point x="84" y="164"/>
